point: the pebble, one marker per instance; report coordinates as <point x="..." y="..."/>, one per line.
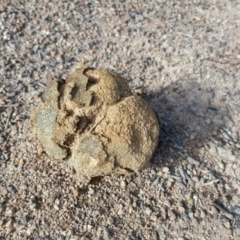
<point x="123" y="184"/>
<point x="75" y="192"/>
<point x="90" y="191"/>
<point x="228" y="215"/>
<point x="214" y="212"/>
<point x="82" y="238"/>
<point x="208" y="121"/>
<point x="202" y="214"/>
<point x="221" y="165"/>
<point x="120" y="212"/>
<point x="89" y="227"/>
<point x="11" y="189"/>
<point x="227" y="225"/>
<point x="190" y="214"/>
<point x="52" y="198"/>
<point x="193" y="161"/>
<point x="197" y="214"/>
<point x="236" y="209"/>
<point x="179" y="184"/>
<point x="237" y="145"/>
<point x="23" y="220"/>
<point x="147" y="210"/>
<point x="171" y="215"/>
<point x="165" y="169"/>
<point x="70" y="233"/>
<point x="56" y="204"/>
<point x="214" y="133"/>
<point x="192" y="136"/>
<point x="153" y="218"/>
<point x="237" y="231"/>
<point x="3" y="191"/>
<point x="40" y="150"/>
<point x="105" y="234"/>
<point x="9" y="229"/>
<point x="9" y="223"/>
<point x="9" y="212"/>
<point x="74" y="237"/>
<point x="1" y="139"/>
<point x="138" y="91"/>
<point x="169" y="183"/>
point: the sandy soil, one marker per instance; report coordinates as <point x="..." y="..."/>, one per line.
<point x="184" y="58"/>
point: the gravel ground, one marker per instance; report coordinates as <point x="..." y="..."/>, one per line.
<point x="184" y="58"/>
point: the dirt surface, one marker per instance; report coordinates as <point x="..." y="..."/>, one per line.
<point x="184" y="58"/>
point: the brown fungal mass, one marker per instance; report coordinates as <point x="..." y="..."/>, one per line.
<point x="93" y="123"/>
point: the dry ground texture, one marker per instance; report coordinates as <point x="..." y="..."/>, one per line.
<point x="184" y="58"/>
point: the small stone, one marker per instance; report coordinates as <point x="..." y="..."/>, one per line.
<point x="208" y="121"/>
<point x="23" y="220"/>
<point x="138" y="91"/>
<point x="165" y="169"/>
<point x="202" y="214"/>
<point x="236" y="209"/>
<point x="237" y="231"/>
<point x="74" y="238"/>
<point x="120" y="212"/>
<point x="214" y="133"/>
<point x="82" y="238"/>
<point x="153" y="218"/>
<point x="75" y="192"/>
<point x="237" y="145"/>
<point x="180" y="185"/>
<point x="227" y="225"/>
<point x="56" y="204"/>
<point x="2" y="139"/>
<point x="105" y="234"/>
<point x="3" y="191"/>
<point x="9" y="230"/>
<point x="9" y="212"/>
<point x="213" y="211"/>
<point x="70" y="232"/>
<point x="190" y="214"/>
<point x="57" y="201"/>
<point x="169" y="184"/>
<point x="221" y="165"/>
<point x="30" y="230"/>
<point x="9" y="223"/>
<point x="195" y="199"/>
<point x="40" y="150"/>
<point x="11" y="189"/>
<point x="123" y="184"/>
<point x="23" y="187"/>
<point x="193" y="161"/>
<point x="52" y="198"/>
<point x="147" y="210"/>
<point x="171" y="215"/>
<point x="89" y="227"/>
<point x="90" y="191"/>
<point x="197" y="214"/>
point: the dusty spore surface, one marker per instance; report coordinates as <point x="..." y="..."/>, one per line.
<point x="94" y="124"/>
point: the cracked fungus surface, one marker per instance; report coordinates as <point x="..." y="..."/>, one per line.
<point x="94" y="124"/>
